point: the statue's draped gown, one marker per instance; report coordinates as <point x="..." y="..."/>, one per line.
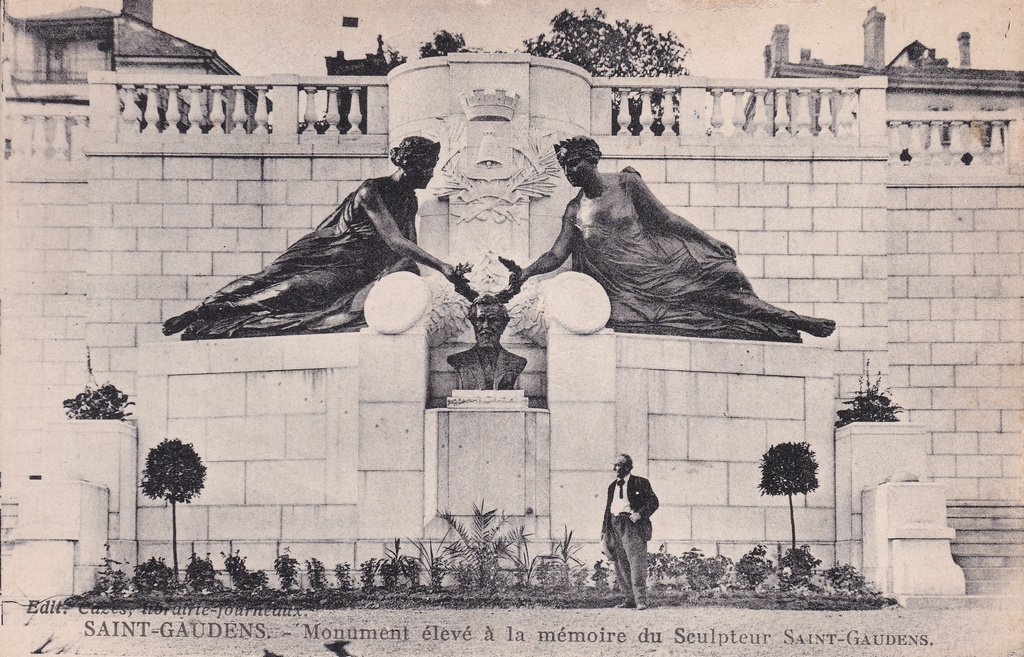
<point x="320" y="283"/>
<point x="664" y="278"/>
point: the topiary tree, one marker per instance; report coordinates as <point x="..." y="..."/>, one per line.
<point x="789" y="469"/>
<point x="175" y="473"/>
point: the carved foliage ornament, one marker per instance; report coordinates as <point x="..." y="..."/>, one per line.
<point x="495" y="167"/>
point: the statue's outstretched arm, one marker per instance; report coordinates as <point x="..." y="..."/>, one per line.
<point x="388" y="230"/>
<point x="553" y="258"/>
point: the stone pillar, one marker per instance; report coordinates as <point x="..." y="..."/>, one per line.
<point x="868" y="454"/>
<point x="392" y="399"/>
<point x="906" y="540"/>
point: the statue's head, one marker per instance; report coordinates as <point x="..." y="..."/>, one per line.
<point x="417" y="157"/>
<point x="576" y="154"/>
<point x="489" y="319"/>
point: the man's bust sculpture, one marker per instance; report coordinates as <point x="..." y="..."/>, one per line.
<point x="487" y="366"/>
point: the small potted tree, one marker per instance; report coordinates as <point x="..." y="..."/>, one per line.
<point x="789" y="469"/>
<point x="175" y="473"/>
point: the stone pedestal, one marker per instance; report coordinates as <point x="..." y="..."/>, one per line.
<point x="58" y="541"/>
<point x="906" y="540"/>
<point x="496" y="457"/>
<point x="868" y="454"/>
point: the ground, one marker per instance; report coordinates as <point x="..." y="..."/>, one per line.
<point x="952" y="633"/>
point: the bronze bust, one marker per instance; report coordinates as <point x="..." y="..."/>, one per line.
<point x="487" y="366"/>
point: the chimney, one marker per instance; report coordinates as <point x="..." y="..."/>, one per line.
<point x="780" y="45"/>
<point x="139" y="9"/>
<point x="965" y="49"/>
<point x="874" y="39"/>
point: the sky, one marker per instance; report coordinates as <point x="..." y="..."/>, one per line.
<point x="726" y="37"/>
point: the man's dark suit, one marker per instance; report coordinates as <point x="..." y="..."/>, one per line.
<point x="628" y="540"/>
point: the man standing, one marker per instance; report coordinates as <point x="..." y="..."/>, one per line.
<point x="627" y="528"/>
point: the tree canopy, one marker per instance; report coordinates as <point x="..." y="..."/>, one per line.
<point x="620" y="49"/>
<point x="444" y="43"/>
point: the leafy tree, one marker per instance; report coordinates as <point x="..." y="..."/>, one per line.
<point x="619" y="49"/>
<point x="788" y="469"/>
<point x="444" y="43"/>
<point x="175" y="473"/>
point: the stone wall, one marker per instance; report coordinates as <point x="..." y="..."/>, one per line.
<point x="956" y="251"/>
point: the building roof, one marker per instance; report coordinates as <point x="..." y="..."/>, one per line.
<point x="932" y="77"/>
<point x="78" y="13"/>
<point x="136" y="40"/>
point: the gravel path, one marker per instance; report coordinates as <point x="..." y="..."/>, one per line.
<point x="595" y="633"/>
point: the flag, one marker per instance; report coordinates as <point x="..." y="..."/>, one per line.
<point x="349" y="21"/>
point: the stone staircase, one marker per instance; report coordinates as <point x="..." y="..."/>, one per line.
<point x="989" y="546"/>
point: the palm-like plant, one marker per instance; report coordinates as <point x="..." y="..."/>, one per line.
<point x="482" y="545"/>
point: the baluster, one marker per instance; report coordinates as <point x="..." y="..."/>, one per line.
<point x="936" y="153"/>
<point x="173" y="113"/>
<point x="760" y="113"/>
<point x="310" y="116"/>
<point x="825" y="114"/>
<point x="23" y="147"/>
<point x="152" y="114"/>
<point x="617" y="127"/>
<point x="802" y="126"/>
<point x="62" y="137"/>
<point x="355" y="114"/>
<point x="624" y="114"/>
<point x="977" y="145"/>
<point x="261" y="115"/>
<point x="895" y="143"/>
<point x="238" y="115"/>
<point x="716" y="111"/>
<point x="132" y="116"/>
<point x="846" y="117"/>
<point x="782" y="113"/>
<point x="217" y="115"/>
<point x="646" y="113"/>
<point x="957" y="145"/>
<point x="333" y="113"/>
<point x="917" y="134"/>
<point x="997" y="148"/>
<point x="78" y="136"/>
<point x="669" y="118"/>
<point x="195" y="110"/>
<point x="40" y="147"/>
<point x="739" y="113"/>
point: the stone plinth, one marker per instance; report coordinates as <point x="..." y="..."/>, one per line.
<point x="906" y="540"/>
<point x="488" y="400"/>
<point x="868" y="454"/>
<point x="499" y="458"/>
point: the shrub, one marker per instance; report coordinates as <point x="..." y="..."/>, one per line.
<point x="433" y="561"/>
<point x="664" y="568"/>
<point x="200" y="575"/>
<point x="797" y="567"/>
<point x="396" y="568"/>
<point x="110" y="581"/>
<point x="241" y="577"/>
<point x="846" y="578"/>
<point x="368" y="574"/>
<point x="703" y="573"/>
<point x="753" y="568"/>
<point x="561" y="568"/>
<point x="343" y="575"/>
<point x="870" y="403"/>
<point x="105" y="402"/>
<point x="316" y="574"/>
<point x="287" y="568"/>
<point x="601" y="577"/>
<point x="480" y="548"/>
<point x="153" y="575"/>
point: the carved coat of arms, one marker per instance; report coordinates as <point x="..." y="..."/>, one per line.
<point x="495" y="167"/>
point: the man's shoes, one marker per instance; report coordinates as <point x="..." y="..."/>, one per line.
<point x="625" y="605"/>
<point x="641" y="606"/>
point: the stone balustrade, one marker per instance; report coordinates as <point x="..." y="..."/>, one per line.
<point x="686" y="108"/>
<point x="45" y="134"/>
<point x="954" y="139"/>
<point x="268" y="108"/>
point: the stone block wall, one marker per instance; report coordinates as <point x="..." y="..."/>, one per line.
<point x="956" y="259"/>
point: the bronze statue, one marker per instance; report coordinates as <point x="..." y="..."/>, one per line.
<point x="662" y="274"/>
<point x="487" y="366"/>
<point x="319" y="284"/>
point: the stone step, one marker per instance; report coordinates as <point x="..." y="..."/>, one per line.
<point x="970" y="524"/>
<point x="961" y="601"/>
<point x="986" y="511"/>
<point x="989" y="574"/>
<point x="989" y="587"/>
<point x="989" y="536"/>
<point x="988" y="549"/>
<point x="973" y="561"/>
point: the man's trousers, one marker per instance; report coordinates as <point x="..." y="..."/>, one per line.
<point x="629" y="551"/>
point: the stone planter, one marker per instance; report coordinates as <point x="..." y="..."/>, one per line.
<point x="868" y="454"/>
